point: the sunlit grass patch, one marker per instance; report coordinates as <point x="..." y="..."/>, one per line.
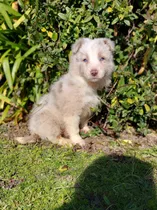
<point x="49" y="177"/>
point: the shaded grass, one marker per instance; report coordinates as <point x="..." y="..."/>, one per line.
<point x="42" y="177"/>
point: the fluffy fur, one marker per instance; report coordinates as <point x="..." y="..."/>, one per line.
<point x="60" y="114"/>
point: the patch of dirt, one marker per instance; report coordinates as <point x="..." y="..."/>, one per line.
<point x="10" y="183"/>
<point x="120" y="144"/>
<point x="107" y="143"/>
<point x="10" y="131"/>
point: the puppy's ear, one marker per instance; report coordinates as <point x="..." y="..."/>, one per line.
<point x="110" y="44"/>
<point x="76" y="46"/>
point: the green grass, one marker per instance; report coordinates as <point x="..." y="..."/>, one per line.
<point x="40" y="177"/>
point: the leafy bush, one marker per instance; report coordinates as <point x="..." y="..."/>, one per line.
<point x="39" y="47"/>
<point x="15" y="61"/>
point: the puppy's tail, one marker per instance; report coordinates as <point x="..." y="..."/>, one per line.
<point x="26" y="139"/>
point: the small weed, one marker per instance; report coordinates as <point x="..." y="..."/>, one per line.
<point x="93" y="132"/>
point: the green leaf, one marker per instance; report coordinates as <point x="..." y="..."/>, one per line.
<point x="21" y="4"/>
<point x="5" y="99"/>
<point x="30" y="51"/>
<point x="64" y="45"/>
<point x="16" y="67"/>
<point x="106" y="200"/>
<point x="6" y="18"/>
<point x="68" y="10"/>
<point x="77" y="20"/>
<point x="147" y="108"/>
<point x="127" y="22"/>
<point x="114" y="102"/>
<point x="87" y="19"/>
<point x="5" y="113"/>
<point x="2" y="37"/>
<point x="6" y="68"/>
<point x="62" y="16"/>
<point x="130" y="101"/>
<point x="124" y="104"/>
<point x="115" y="21"/>
<point x="141" y="111"/>
<point x="121" y="81"/>
<point x="97" y="19"/>
<point x="14" y="45"/>
<point x="63" y="168"/>
<point x="4" y="55"/>
<point x="155" y="107"/>
<point x="54" y="36"/>
<point x="141" y="48"/>
<point x="9" y="9"/>
<point x="22" y="18"/>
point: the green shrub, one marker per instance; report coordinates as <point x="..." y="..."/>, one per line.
<point x="42" y="43"/>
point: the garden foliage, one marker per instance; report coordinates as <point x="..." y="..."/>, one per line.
<point x="35" y="40"/>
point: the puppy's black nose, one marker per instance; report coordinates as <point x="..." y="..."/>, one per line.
<point x="94" y="72"/>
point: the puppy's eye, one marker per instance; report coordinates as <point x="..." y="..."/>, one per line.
<point x="101" y="59"/>
<point x="85" y="60"/>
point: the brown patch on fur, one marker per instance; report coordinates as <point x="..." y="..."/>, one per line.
<point x="109" y="43"/>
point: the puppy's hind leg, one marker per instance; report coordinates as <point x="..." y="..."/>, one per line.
<point x="49" y="128"/>
<point x="27" y="139"/>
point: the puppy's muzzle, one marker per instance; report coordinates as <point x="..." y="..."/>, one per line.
<point x="94" y="72"/>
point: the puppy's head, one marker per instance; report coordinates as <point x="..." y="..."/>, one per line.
<point x="93" y="58"/>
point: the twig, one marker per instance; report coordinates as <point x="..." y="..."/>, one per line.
<point x="103" y="102"/>
<point x="130" y="56"/>
<point x="112" y="89"/>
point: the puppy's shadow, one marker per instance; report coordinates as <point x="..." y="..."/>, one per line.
<point x="115" y="183"/>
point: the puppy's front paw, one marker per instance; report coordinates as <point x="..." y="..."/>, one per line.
<point x="78" y="140"/>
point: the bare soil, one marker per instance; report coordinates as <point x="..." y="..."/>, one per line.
<point x="107" y="143"/>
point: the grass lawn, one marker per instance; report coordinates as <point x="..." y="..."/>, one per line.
<point x="46" y="177"/>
